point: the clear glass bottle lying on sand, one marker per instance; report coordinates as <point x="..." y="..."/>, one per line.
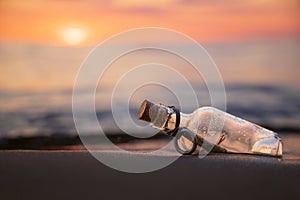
<point x="222" y="131"/>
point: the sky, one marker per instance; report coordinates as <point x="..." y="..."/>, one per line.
<point x="44" y="42"/>
<point x="53" y="21"/>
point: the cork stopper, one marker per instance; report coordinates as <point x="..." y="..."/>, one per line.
<point x="144" y="113"/>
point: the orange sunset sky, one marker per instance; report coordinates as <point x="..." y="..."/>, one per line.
<point x="78" y="22"/>
<point x="43" y="42"/>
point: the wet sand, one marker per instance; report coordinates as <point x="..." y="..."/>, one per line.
<point x="76" y="174"/>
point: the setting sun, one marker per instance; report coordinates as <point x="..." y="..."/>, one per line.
<point x="74" y="36"/>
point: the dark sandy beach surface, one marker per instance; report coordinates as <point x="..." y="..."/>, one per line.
<point x="76" y="174"/>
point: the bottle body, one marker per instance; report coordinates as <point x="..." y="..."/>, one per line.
<point x="229" y="132"/>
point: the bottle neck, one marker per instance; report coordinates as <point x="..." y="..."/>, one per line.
<point x="184" y="119"/>
<point x="164" y="118"/>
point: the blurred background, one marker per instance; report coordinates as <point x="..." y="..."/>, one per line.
<point x="255" y="44"/>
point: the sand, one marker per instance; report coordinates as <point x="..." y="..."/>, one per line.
<point x="75" y="174"/>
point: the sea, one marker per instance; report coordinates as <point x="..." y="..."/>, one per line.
<point x="50" y="113"/>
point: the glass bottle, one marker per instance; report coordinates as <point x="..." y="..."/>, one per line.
<point x="222" y="131"/>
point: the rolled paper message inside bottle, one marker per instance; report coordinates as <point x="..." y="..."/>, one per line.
<point x="236" y="135"/>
